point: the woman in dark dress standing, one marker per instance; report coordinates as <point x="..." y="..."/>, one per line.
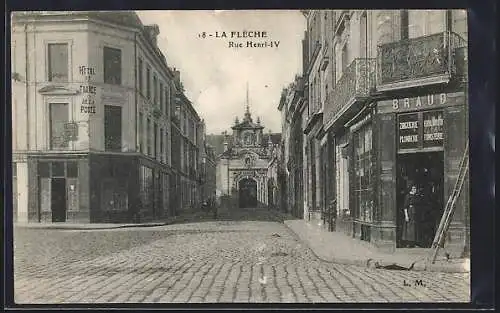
<point x="409" y="235"/>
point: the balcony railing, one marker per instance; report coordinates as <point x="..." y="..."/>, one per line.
<point x="356" y="82"/>
<point x="418" y="58"/>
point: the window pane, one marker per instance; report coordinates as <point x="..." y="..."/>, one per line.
<point x="154" y="90"/>
<point x="141" y="133"/>
<point x="72" y="169"/>
<point x="57" y="169"/>
<point x="58" y="62"/>
<point x="155" y="140"/>
<point x="44" y="169"/>
<point x="58" y="119"/>
<point x="112" y="66"/>
<point x="162" y="104"/>
<point x="149" y="136"/>
<point x="161" y="143"/>
<point x="140" y="76"/>
<point x="435" y="21"/>
<point x="112" y="128"/>
<point x="148" y="83"/>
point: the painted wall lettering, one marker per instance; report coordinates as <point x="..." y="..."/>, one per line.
<point x="88" y="91"/>
<point x="408" y="131"/>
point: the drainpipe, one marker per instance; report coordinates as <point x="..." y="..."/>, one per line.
<point x="136" y="110"/>
<point x="135" y="92"/>
<point x="26" y="86"/>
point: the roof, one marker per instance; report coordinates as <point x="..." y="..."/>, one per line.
<point x="247" y="124"/>
<point x="217" y="141"/>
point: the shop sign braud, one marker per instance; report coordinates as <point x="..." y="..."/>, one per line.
<point x="418" y="102"/>
<point x="424" y="102"/>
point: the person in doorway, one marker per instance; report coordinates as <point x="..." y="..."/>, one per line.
<point x="409" y="235"/>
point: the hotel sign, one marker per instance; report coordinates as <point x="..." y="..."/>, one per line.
<point x="426" y="102"/>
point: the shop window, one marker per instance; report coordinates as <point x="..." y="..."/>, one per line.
<point x="58" y="169"/>
<point x="112" y="66"/>
<point x="44" y="169"/>
<point x="146" y="185"/>
<point x="59" y="117"/>
<point x="58" y="62"/>
<point x="114" y="195"/>
<point x="72" y="193"/>
<point x="363" y="169"/>
<point x="112" y="128"/>
<point x="72" y="169"/>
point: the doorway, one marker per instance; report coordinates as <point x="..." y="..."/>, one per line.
<point x="425" y="170"/>
<point x="58" y="199"/>
<point x="247" y="193"/>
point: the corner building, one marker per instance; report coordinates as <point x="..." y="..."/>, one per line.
<point x="91" y="102"/>
<point x="391" y="111"/>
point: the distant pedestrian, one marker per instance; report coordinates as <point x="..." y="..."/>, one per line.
<point x="409" y="235"/>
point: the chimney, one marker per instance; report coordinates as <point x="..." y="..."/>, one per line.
<point x="225" y="141"/>
<point x="153" y="32"/>
<point x="177" y="75"/>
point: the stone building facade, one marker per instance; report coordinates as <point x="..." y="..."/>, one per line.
<point x="242" y="168"/>
<point x="92" y="103"/>
<point x="386" y="109"/>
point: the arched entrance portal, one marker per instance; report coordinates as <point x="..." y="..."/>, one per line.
<point x="247" y="193"/>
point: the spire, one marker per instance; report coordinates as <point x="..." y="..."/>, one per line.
<point x="248" y="116"/>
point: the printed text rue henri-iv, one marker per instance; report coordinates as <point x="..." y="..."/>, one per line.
<point x="243" y="39"/>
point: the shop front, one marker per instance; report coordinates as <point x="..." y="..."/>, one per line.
<point x="95" y="188"/>
<point x="419" y="143"/>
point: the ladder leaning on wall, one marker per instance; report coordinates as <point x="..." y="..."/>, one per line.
<point x="450" y="206"/>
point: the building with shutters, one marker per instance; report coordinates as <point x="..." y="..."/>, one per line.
<point x="386" y="108"/>
<point x="92" y="103"/>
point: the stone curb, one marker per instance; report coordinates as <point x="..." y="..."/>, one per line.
<point x="174" y="220"/>
<point x="370" y="263"/>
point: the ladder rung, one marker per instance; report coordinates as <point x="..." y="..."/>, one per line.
<point x="450" y="204"/>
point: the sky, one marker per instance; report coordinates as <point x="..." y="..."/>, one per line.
<point x="215" y="76"/>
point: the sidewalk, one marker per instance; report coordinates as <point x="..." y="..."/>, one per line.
<point x="89" y="226"/>
<point x="339" y="248"/>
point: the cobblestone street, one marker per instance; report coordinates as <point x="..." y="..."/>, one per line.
<point x="212" y="261"/>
